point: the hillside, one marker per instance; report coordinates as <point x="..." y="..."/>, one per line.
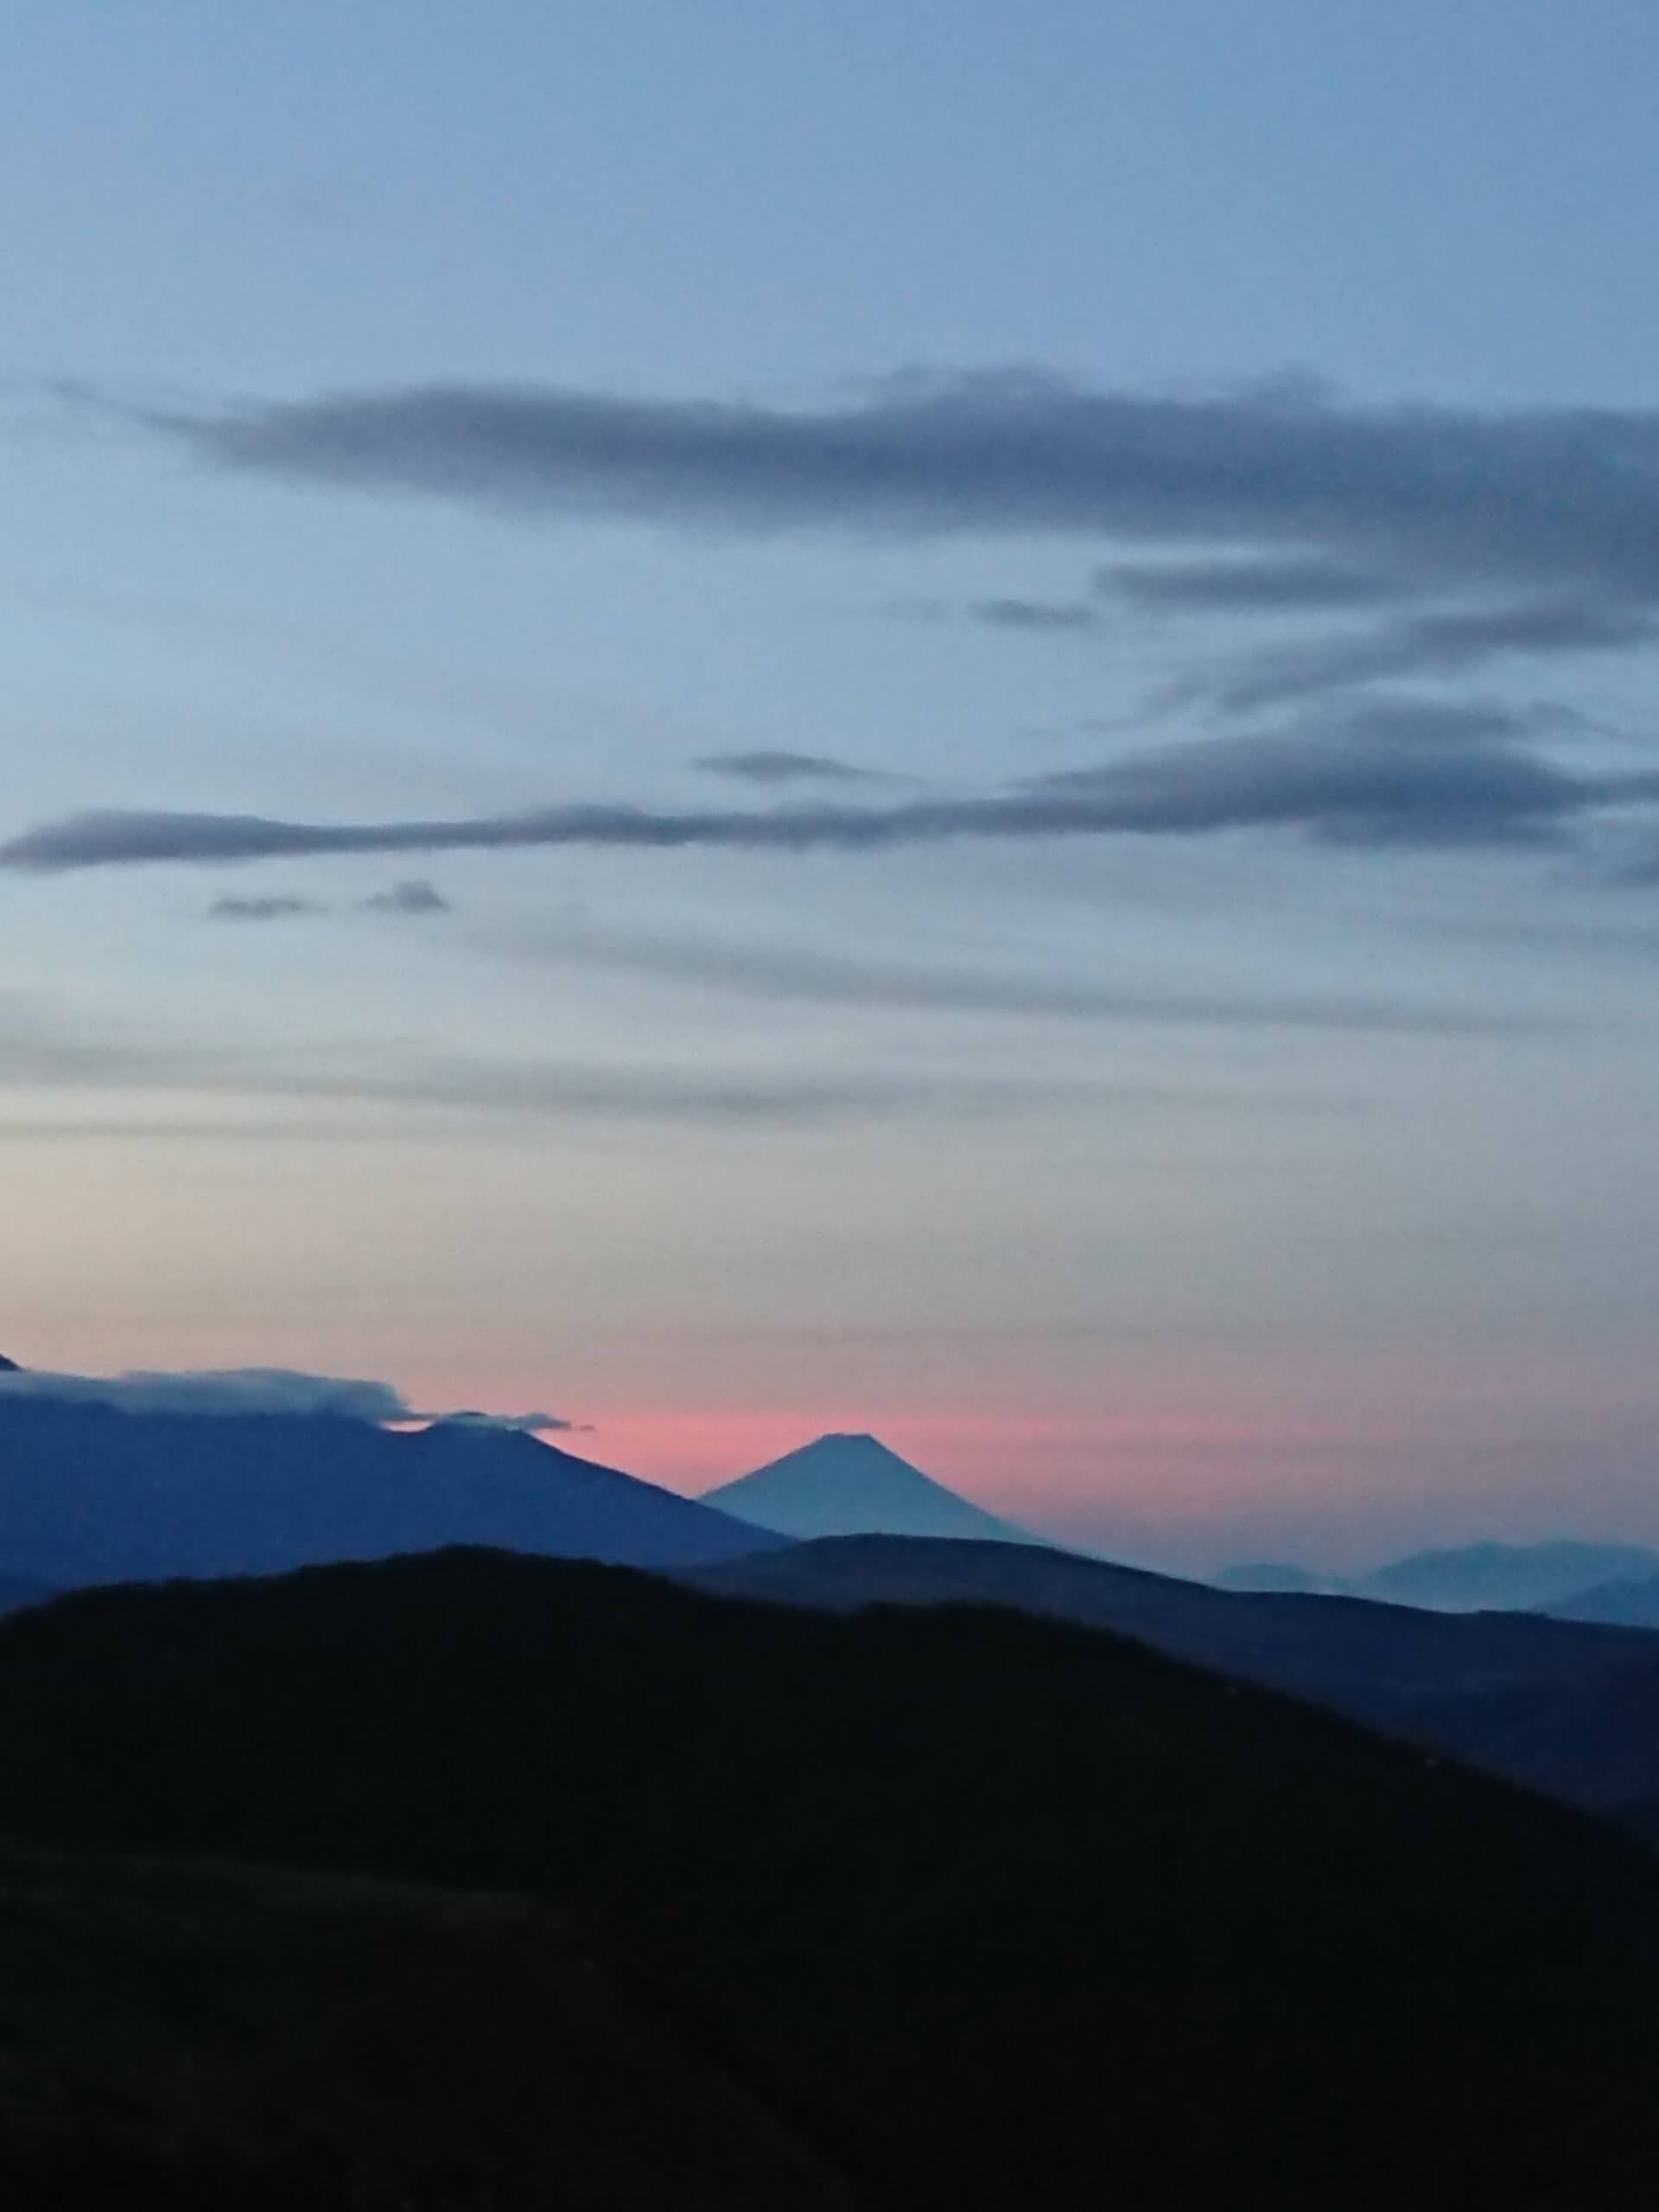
<point x="176" y="2036"/>
<point x="853" y="1485"/>
<point x="1569" y="1708"/>
<point x="90" y="1494"/>
<point x="18" y="1590"/>
<point x="987" y="1909"/>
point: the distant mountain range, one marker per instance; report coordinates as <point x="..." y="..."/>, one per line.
<point x="1472" y="1578"/>
<point x="845" y="1486"/>
<point x="1626" y="1604"/>
<point x="91" y="1494"/>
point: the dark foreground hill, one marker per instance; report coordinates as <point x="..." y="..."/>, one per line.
<point x="89" y="1493"/>
<point x="178" y="2035"/>
<point x="1567" y="1707"/>
<point x="984" y="1909"/>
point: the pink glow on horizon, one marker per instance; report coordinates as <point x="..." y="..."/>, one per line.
<point x="1000" y="1460"/>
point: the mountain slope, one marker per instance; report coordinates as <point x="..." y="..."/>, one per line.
<point x="186" y="2035"/>
<point x="90" y="1494"/>
<point x="1622" y="1604"/>
<point x="1569" y="1708"/>
<point x="990" y="1909"/>
<point x="854" y="1486"/>
<point x="17" y="1590"/>
<point x="1511" y="1576"/>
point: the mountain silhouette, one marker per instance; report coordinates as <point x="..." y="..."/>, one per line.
<point x="1624" y="1603"/>
<point x="847" y="1486"/>
<point x="1516" y="1577"/>
<point x="986" y="1910"/>
<point x="17" y="1590"/>
<point x="192" y="2036"/>
<point x="1569" y="1708"/>
<point x="92" y="1494"/>
<point x="1469" y="1578"/>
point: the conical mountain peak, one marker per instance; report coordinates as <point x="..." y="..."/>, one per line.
<point x="850" y="1484"/>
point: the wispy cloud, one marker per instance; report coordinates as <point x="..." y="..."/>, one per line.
<point x="1558" y="499"/>
<point x="778" y="767"/>
<point x="277" y="909"/>
<point x="802" y="974"/>
<point x="1245" y="587"/>
<point x="1449" y="642"/>
<point x="413" y="898"/>
<point x="1400" y="772"/>
<point x="45" y="1049"/>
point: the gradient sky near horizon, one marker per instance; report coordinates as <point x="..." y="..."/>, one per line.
<point x="937" y="718"/>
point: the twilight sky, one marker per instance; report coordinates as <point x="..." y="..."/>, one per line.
<point x="936" y="717"/>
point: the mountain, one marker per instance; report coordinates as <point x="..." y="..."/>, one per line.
<point x="188" y="2035"/>
<point x="92" y="1494"/>
<point x="17" y="1590"/>
<point x="1514" y="1576"/>
<point x="1274" y="1576"/>
<point x="853" y="1485"/>
<point x="9" y="1366"/>
<point x="980" y="1910"/>
<point x="1626" y="1604"/>
<point x="1569" y="1708"/>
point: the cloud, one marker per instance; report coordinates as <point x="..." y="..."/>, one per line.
<point x="1388" y="773"/>
<point x="1047" y="615"/>
<point x="217" y="1390"/>
<point x="262" y="910"/>
<point x="42" y="1050"/>
<point x="278" y="1391"/>
<point x="1244" y="587"/>
<point x="1400" y="772"/>
<point x="1451" y="643"/>
<point x="1555" y="498"/>
<point x="768" y="767"/>
<point x="411" y="898"/>
<point x="517" y="1424"/>
<point x="769" y="971"/>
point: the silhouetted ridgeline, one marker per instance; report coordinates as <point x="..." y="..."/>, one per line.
<point x="985" y="1909"/>
<point x="91" y="1494"/>
<point x="1569" y="1707"/>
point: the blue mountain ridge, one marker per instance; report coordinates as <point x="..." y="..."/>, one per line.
<point x="91" y="1494"/>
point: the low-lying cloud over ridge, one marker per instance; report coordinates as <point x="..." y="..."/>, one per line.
<point x="264" y="1390"/>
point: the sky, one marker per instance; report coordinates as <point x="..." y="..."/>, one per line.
<point x="934" y="718"/>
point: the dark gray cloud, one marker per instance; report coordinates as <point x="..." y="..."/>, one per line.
<point x="1398" y="772"/>
<point x="1387" y="773"/>
<point x="801" y="974"/>
<point x="1561" y="498"/>
<point x="1245" y="587"/>
<point x="413" y="897"/>
<point x="277" y="909"/>
<point x="1053" y="615"/>
<point x="778" y="767"/>
<point x="1449" y="642"/>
